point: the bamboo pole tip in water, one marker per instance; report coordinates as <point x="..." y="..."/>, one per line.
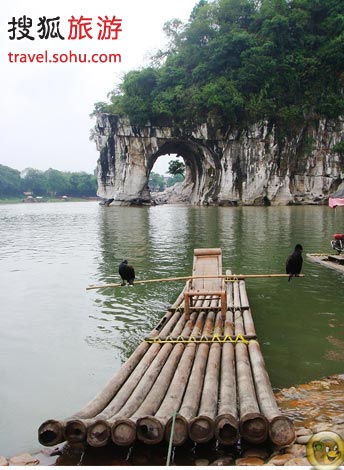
<point x="180" y="432"/>
<point x="281" y="431"/>
<point x="226" y="429"/>
<point x="123" y="432"/>
<point x="149" y="430"/>
<point x="201" y="429"/>
<point x="98" y="434"/>
<point x="50" y="433"/>
<point x="254" y="428"/>
<point x="75" y="431"/>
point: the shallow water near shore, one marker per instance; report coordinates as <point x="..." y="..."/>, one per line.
<point x="59" y="344"/>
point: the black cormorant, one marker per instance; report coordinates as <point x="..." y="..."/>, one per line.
<point x="294" y="262"/>
<point x="127" y="273"/>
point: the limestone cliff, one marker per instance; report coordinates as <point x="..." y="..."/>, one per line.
<point x="247" y="166"/>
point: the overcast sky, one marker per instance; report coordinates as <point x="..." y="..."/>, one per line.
<point x="45" y="107"/>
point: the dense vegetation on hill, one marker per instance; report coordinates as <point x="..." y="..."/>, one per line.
<point x="52" y="182"/>
<point x="240" y="61"/>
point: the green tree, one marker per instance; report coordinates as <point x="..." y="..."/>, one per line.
<point x="156" y="182"/>
<point x="34" y="181"/>
<point x="176" y="168"/>
<point x="57" y="183"/>
<point x="10" y="181"/>
<point x="174" y="179"/>
<point x="82" y="184"/>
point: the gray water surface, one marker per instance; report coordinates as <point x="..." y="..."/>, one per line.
<point x="59" y="344"/>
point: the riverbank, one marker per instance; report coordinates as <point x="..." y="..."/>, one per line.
<point x="315" y="406"/>
<point x="20" y="200"/>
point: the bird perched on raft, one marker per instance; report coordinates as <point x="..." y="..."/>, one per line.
<point x="127" y="273"/>
<point x="294" y="262"/>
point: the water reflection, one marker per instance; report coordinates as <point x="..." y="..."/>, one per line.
<point x="149" y="240"/>
<point x="140" y="454"/>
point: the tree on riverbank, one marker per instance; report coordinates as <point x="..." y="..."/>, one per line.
<point x="46" y="183"/>
<point x="10" y="182"/>
<point x="55" y="183"/>
<point x="159" y="183"/>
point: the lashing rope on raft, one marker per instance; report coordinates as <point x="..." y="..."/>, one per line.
<point x="204" y="339"/>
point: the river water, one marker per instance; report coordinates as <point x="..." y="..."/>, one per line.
<point x="59" y="344"/>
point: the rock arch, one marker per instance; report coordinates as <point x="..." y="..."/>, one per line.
<point x="128" y="154"/>
<point x="249" y="166"/>
<point x="202" y="169"/>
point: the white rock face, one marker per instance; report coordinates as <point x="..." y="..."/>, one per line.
<point x="252" y="166"/>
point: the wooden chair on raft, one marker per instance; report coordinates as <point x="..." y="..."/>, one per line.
<point x="207" y="262"/>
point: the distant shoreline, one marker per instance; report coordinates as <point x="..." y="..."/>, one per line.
<point x="17" y="200"/>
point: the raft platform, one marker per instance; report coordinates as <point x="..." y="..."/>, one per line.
<point x="329" y="260"/>
<point x="198" y="375"/>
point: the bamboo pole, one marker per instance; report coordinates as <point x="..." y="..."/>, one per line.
<point x="226" y="423"/>
<point x="281" y="429"/>
<point x="150" y="429"/>
<point x="228" y="324"/>
<point x="246" y="312"/>
<point x="238" y="322"/>
<point x="202" y="427"/>
<point x="75" y="429"/>
<point x="236" y="295"/>
<point x="229" y="290"/>
<point x="192" y="396"/>
<point x="248" y="323"/>
<point x="253" y="425"/>
<point x="176" y="323"/>
<point x="319" y="254"/>
<point x="52" y="432"/>
<point x="179" y="301"/>
<point x="99" y="433"/>
<point x="150" y="281"/>
<point x="244" y="304"/>
<point x="191" y="399"/>
<point x="232" y="277"/>
<point x="123" y="431"/>
<point x="235" y="277"/>
<point x="167" y="323"/>
<point x="136" y="388"/>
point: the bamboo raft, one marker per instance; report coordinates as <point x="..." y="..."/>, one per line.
<point x="199" y="375"/>
<point x="331" y="261"/>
